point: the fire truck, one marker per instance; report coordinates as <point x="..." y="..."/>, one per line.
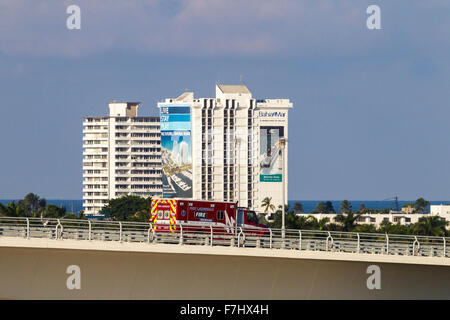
<point x="199" y="215"/>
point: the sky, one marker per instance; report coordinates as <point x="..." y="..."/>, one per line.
<point x="371" y="107"/>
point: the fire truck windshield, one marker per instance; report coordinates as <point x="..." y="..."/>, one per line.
<point x="251" y="216"/>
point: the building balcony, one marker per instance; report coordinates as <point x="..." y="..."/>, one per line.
<point x="104" y="161"/>
<point x="95" y="175"/>
<point x="94" y="190"/>
<point x="95" y="130"/>
<point x="96" y="205"/>
<point x="123" y="130"/>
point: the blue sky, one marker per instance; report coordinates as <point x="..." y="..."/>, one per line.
<point x="371" y="107"/>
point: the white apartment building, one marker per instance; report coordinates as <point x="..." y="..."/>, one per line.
<point x="231" y="147"/>
<point x="393" y="217"/>
<point x="121" y="156"/>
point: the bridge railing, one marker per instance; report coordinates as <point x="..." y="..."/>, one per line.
<point x="200" y="234"/>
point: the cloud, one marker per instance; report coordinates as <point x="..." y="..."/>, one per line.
<point x="205" y="28"/>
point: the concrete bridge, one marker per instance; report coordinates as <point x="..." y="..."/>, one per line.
<point x="37" y="268"/>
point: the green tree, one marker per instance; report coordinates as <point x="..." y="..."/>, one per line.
<point x="290" y="218"/>
<point x="324" y="207"/>
<point x="298" y="207"/>
<point x="70" y="215"/>
<point x="268" y="205"/>
<point x="126" y="208"/>
<point x="390" y="228"/>
<point x="430" y="226"/>
<point x="362" y="209"/>
<point x="365" y="228"/>
<point x="333" y="227"/>
<point x="12" y="210"/>
<point x="320" y="208"/>
<point x="142" y="215"/>
<point x="346" y="207"/>
<point x="329" y="207"/>
<point x="347" y="221"/>
<point x="32" y="203"/>
<point x="52" y="211"/>
<point x="421" y="205"/>
<point x="301" y="222"/>
<point x="318" y="224"/>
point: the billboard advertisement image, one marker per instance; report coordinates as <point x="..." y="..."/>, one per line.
<point x="270" y="160"/>
<point x="176" y="151"/>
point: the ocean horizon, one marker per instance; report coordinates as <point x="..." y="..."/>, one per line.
<point x="308" y="205"/>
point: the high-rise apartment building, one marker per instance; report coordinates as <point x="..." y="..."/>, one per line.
<point x="121" y="156"/>
<point x="227" y="148"/>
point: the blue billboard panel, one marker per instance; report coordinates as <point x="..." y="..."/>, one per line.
<point x="176" y="151"/>
<point x="172" y="126"/>
<point x="175" y="109"/>
<point x="176" y="118"/>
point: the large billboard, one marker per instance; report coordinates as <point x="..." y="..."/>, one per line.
<point x="176" y="150"/>
<point x="270" y="160"/>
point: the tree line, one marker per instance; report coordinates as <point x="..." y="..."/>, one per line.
<point x="137" y="209"/>
<point x="33" y="206"/>
<point x="346" y="219"/>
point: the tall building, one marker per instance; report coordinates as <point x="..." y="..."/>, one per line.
<point x="226" y="148"/>
<point x="121" y="156"/>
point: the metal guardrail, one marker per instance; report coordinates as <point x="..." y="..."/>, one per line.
<point x="188" y="234"/>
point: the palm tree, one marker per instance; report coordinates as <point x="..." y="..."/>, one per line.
<point x="362" y="209"/>
<point x="301" y="222"/>
<point x="421" y="205"/>
<point x="347" y="221"/>
<point x="346" y="207"/>
<point x="366" y="228"/>
<point x="298" y="207"/>
<point x="11" y="210"/>
<point x="267" y="204"/>
<point x="31" y="201"/>
<point x="322" y="223"/>
<point x="316" y="224"/>
<point x="312" y="222"/>
<point x="431" y="226"/>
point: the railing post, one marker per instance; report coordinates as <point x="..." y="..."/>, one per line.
<point x="414" y="246"/>
<point x="300" y="240"/>
<point x="444" y="246"/>
<point x="28" y="229"/>
<point x="90" y="230"/>
<point x="328" y="239"/>
<point x="148" y="232"/>
<point x="120" y="231"/>
<point x="56" y="229"/>
<point x="359" y="243"/>
<point x="239" y="237"/>
<point x="211" y="242"/>
<point x="154" y="234"/>
<point x="270" y="243"/>
<point x="387" y="244"/>
<point x="181" y="234"/>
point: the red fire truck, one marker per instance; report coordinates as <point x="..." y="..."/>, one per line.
<point x="201" y="215"/>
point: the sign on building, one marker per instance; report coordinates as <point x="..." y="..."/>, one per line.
<point x="176" y="150"/>
<point x="270" y="160"/>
